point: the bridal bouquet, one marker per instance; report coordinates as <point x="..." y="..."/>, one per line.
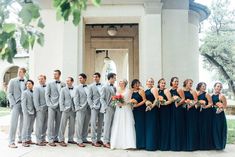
<point x="189" y="103"/>
<point x="219" y="107"/>
<point x="132" y="102"/>
<point x="201" y="104"/>
<point x="117" y="99"/>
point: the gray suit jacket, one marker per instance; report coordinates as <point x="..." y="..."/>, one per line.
<point x="27" y="102"/>
<point x="14" y="91"/>
<point x="93" y="96"/>
<point x="52" y="94"/>
<point x="39" y="98"/>
<point x="80" y="98"/>
<point x="107" y="92"/>
<point x="66" y="100"/>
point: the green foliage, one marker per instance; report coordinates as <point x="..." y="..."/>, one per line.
<point x="18" y="21"/>
<point x="3" y="99"/>
<point x="218" y="48"/>
<point x="74" y="8"/>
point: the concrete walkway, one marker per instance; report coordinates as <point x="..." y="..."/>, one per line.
<point x="89" y="151"/>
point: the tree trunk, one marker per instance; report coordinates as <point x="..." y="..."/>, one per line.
<point x="221" y="69"/>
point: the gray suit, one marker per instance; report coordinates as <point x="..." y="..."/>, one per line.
<point x="41" y="113"/>
<point x="15" y="90"/>
<point x="54" y="114"/>
<point x="107" y="92"/>
<point x="94" y="103"/>
<point x="83" y="113"/>
<point x="68" y="113"/>
<point x="28" y="115"/>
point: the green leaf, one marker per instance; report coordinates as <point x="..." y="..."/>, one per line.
<point x="76" y="17"/>
<point x="32" y="41"/>
<point x="8" y="27"/>
<point x="96" y="2"/>
<point x="24" y="40"/>
<point x="40" y="23"/>
<point x="29" y="12"/>
<point x="56" y="3"/>
<point x="40" y="39"/>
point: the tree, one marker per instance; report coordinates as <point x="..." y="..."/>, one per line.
<point x="21" y="23"/>
<point x="219" y="43"/>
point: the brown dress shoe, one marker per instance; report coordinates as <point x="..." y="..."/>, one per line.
<point x="41" y="144"/>
<point x="30" y="142"/>
<point x="100" y="142"/>
<point x="12" y="145"/>
<point x="106" y="145"/>
<point x="52" y="144"/>
<point x="81" y="145"/>
<point x="72" y="142"/>
<point x="63" y="144"/>
<point x="19" y="142"/>
<point x="88" y="142"/>
<point x="96" y="144"/>
<point x="45" y="142"/>
<point x="25" y="144"/>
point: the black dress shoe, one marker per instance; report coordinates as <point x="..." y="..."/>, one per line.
<point x="87" y="142"/>
<point x="72" y="142"/>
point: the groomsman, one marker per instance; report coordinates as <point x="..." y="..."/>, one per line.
<point x="54" y="114"/>
<point x="41" y="111"/>
<point x="96" y="115"/>
<point x="68" y="112"/>
<point x="107" y="92"/>
<point x="83" y="112"/>
<point x="15" y="89"/>
<point x="28" y="114"/>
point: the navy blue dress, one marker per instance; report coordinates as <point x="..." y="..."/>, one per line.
<point x="192" y="125"/>
<point x="219" y="127"/>
<point x="205" y="125"/>
<point x="152" y="124"/>
<point x="139" y="116"/>
<point x="165" y="124"/>
<point x="178" y="126"/>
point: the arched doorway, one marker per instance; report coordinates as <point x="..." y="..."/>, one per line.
<point x="9" y="74"/>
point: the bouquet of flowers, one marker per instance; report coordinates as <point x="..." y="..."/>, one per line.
<point x="117" y="100"/>
<point x="219" y="107"/>
<point x="188" y="103"/>
<point x="149" y="105"/>
<point x="161" y="100"/>
<point x="176" y="99"/>
<point x="132" y="102"/>
<point x="201" y="104"/>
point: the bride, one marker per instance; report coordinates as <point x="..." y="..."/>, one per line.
<point x="123" y="129"/>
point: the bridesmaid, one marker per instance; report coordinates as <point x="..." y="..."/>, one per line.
<point x="165" y="116"/>
<point x="178" y="122"/>
<point x="138" y="99"/>
<point x="219" y="121"/>
<point x="191" y="116"/>
<point x="205" y="118"/>
<point x="152" y="117"/>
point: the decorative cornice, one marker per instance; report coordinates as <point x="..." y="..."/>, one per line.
<point x="202" y="10"/>
<point x="153" y="7"/>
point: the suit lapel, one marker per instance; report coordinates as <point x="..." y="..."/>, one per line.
<point x="67" y="90"/>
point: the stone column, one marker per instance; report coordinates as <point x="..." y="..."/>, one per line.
<point x="150" y="42"/>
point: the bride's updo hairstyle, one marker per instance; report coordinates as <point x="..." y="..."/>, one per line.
<point x="124" y="81"/>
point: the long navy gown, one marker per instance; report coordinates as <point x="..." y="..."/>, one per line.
<point x="139" y="116"/>
<point x="219" y="127"/>
<point x="192" y="125"/>
<point x="165" y="124"/>
<point x="178" y="126"/>
<point x="205" y="125"/>
<point x="152" y="124"/>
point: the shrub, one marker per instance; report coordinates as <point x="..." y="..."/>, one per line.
<point x="3" y="99"/>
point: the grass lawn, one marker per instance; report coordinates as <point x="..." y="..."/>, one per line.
<point x="231" y="131"/>
<point x="4" y="111"/>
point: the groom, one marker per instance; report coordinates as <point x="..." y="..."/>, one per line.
<point x="107" y="92"/>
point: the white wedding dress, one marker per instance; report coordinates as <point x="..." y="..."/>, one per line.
<point x="123" y="134"/>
